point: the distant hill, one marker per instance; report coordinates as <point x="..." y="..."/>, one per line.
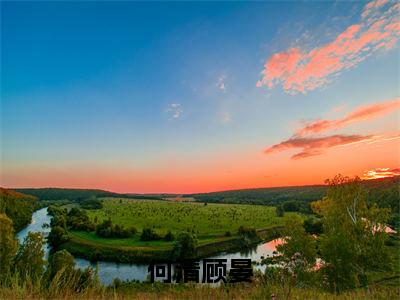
<point x="75" y="195"/>
<point x="264" y="196"/>
<point x="78" y="195"/>
<point x="383" y="191"/>
<point x="17" y="206"/>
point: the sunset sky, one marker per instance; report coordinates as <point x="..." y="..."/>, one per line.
<point x="182" y="97"/>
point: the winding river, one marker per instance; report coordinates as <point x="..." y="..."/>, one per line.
<point x="107" y="271"/>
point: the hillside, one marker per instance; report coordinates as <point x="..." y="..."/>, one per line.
<point x="17" y="206"/>
<point x="57" y="194"/>
<point x="78" y="195"/>
<point x="384" y="192"/>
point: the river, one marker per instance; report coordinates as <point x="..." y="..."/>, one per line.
<point x="107" y="271"/>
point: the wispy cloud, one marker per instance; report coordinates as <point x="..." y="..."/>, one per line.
<point x="221" y="83"/>
<point x="311" y="146"/>
<point x="381" y="173"/>
<point x="362" y="113"/>
<point x="175" y="110"/>
<point x="301" y="70"/>
<point x="226" y="118"/>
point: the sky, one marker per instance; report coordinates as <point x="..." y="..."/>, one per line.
<point x="186" y="97"/>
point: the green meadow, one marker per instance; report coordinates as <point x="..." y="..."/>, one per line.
<point x="206" y="221"/>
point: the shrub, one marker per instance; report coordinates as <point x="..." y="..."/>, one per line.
<point x="185" y="246"/>
<point x="57" y="236"/>
<point x="149" y="234"/>
<point x="247" y="232"/>
<point x="169" y="236"/>
<point x="108" y="230"/>
<point x="92" y="203"/>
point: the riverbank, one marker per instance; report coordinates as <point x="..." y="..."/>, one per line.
<point x="92" y="251"/>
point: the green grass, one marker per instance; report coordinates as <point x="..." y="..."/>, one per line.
<point x="135" y="240"/>
<point x="207" y="221"/>
<point x="39" y="289"/>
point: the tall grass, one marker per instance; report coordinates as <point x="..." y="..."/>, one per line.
<point x="63" y="286"/>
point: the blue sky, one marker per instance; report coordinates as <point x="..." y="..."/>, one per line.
<point x="153" y="87"/>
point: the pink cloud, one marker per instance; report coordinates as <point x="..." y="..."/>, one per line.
<point x="362" y="113"/>
<point x="312" y="146"/>
<point x="299" y="70"/>
<point x="381" y="173"/>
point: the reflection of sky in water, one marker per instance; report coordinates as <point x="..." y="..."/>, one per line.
<point x="39" y="218"/>
<point x="107" y="271"/>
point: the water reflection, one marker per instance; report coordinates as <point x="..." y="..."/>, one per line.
<point x="107" y="271"/>
<point x="40" y="219"/>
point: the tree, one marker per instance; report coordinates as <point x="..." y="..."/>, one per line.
<point x="149" y="234"/>
<point x="61" y="273"/>
<point x="29" y="261"/>
<point x="169" y="236"/>
<point x="297" y="240"/>
<point x="185" y="245"/>
<point x="280" y="211"/>
<point x="60" y="262"/>
<point x="57" y="236"/>
<point x="298" y="253"/>
<point x="353" y="239"/>
<point x="313" y="225"/>
<point x="8" y="246"/>
<point x="92" y="203"/>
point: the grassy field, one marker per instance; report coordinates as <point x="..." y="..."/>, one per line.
<point x="207" y="221"/>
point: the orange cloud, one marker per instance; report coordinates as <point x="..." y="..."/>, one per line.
<point x="380" y="173"/>
<point x="299" y="70"/>
<point x="312" y="146"/>
<point x="362" y="113"/>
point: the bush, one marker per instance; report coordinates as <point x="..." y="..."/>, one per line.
<point x="280" y="211"/>
<point x="169" y="236"/>
<point x="57" y="236"/>
<point x="185" y="246"/>
<point x="313" y="225"/>
<point x="77" y="219"/>
<point x="108" y="230"/>
<point x="149" y="234"/>
<point x="247" y="232"/>
<point x="92" y="203"/>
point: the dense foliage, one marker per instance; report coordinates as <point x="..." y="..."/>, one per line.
<point x="77" y="219"/>
<point x="297" y="195"/>
<point x="383" y="192"/>
<point x="353" y="239"/>
<point x="185" y="245"/>
<point x="76" y="195"/>
<point x="80" y="195"/>
<point x="92" y="203"/>
<point x="108" y="230"/>
<point x="8" y="246"/>
<point x="29" y="261"/>
<point x="18" y="207"/>
<point x="148" y="234"/>
<point x="351" y="244"/>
